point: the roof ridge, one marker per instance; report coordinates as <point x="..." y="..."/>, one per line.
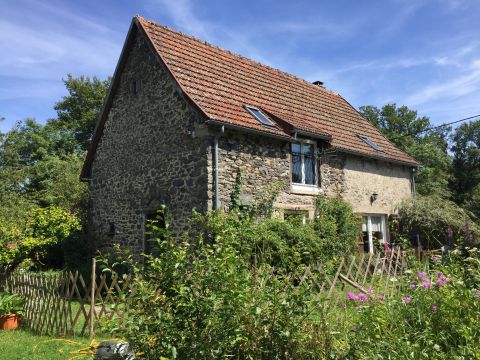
<point x="204" y="42"/>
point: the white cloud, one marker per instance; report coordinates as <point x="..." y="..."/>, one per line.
<point x="451" y="88"/>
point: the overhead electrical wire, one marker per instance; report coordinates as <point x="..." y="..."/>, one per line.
<point x="437" y="127"/>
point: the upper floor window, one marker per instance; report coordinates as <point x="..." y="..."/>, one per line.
<point x="303" y="164"/>
<point x="260" y="116"/>
<point x="370" y="142"/>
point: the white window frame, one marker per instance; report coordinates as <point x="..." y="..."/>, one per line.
<point x="369" y="229"/>
<point x="302" y="187"/>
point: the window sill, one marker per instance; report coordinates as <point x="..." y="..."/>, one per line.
<point x="305" y="189"/>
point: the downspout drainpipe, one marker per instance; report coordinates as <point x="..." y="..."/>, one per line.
<point x="413" y="184"/>
<point x="215" y="168"/>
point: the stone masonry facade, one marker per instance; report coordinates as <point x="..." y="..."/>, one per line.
<point x="146" y="156"/>
<point x="155" y="151"/>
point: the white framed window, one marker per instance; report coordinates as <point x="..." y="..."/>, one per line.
<point x="296" y="216"/>
<point x="373" y="231"/>
<point x="304" y="165"/>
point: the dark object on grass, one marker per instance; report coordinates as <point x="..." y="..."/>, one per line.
<point x="114" y="350"/>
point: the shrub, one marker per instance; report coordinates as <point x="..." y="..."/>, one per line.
<point x="437" y="221"/>
<point x="284" y="244"/>
<point x="39" y="242"/>
<point x="201" y="300"/>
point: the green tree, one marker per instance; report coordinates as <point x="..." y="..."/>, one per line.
<point x="80" y="109"/>
<point x="39" y="166"/>
<point x="465" y="184"/>
<point x="413" y="134"/>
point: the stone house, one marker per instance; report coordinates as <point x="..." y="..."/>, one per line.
<point x="183" y="117"/>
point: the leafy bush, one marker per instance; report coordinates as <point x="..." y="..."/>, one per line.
<point x="39" y="242"/>
<point x="436" y="317"/>
<point x="283" y="244"/>
<point x="201" y="300"/>
<point x="11" y="304"/>
<point x="438" y="222"/>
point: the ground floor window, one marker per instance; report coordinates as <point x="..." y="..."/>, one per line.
<point x="296" y="216"/>
<point x="373" y="232"/>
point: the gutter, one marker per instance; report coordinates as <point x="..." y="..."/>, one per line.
<point x="247" y="130"/>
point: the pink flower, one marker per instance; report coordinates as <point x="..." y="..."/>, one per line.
<point x="434" y="308"/>
<point x="362" y="297"/>
<point x="406" y="299"/>
<point x="413" y="286"/>
<point x="352" y="296"/>
<point x="381" y="297"/>
<point x="422" y="275"/>
<point x="441" y="279"/>
<point x="436" y="259"/>
<point x="427" y="284"/>
<point x="477" y="293"/>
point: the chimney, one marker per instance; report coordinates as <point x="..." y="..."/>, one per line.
<point x="318" y="83"/>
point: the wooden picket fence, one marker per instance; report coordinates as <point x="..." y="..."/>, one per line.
<point x="67" y="304"/>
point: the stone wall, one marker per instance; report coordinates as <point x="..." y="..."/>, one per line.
<point x="146" y="156"/>
<point x="363" y="177"/>
<point x="263" y="160"/>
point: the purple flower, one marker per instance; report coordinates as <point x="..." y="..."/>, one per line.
<point x="450" y="233"/>
<point x="427" y="284"/>
<point x="413" y="286"/>
<point x="406" y="299"/>
<point x="352" y="296"/>
<point x="434" y="308"/>
<point x="436" y="259"/>
<point x="422" y="275"/>
<point x="381" y="297"/>
<point x="362" y="297"/>
<point x="441" y="279"/>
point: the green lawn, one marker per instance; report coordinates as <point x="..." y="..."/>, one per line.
<point x="22" y="344"/>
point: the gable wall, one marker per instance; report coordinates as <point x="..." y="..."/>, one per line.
<point x="146" y="156"/>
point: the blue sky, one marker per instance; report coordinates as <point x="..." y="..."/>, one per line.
<point x="421" y="53"/>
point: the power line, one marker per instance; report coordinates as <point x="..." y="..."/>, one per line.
<point x="437" y="127"/>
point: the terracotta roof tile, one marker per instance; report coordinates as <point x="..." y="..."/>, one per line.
<point x="221" y="83"/>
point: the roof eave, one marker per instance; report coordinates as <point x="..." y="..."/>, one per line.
<point x="245" y="129"/>
<point x="383" y="158"/>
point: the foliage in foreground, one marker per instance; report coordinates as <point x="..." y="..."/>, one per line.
<point x="436" y="317"/>
<point x="204" y="301"/>
<point x="284" y="244"/>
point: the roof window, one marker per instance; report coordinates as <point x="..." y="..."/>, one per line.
<point x="370" y="142"/>
<point x="259" y="115"/>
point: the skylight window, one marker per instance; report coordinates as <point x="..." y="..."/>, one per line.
<point x="370" y="142"/>
<point x="259" y="115"/>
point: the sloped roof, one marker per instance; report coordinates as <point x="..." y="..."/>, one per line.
<point x="220" y="83"/>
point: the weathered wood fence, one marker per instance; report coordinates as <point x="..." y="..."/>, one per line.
<point x="67" y="304"/>
<point x="62" y="304"/>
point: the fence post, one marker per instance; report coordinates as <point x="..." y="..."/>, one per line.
<point x="92" y="299"/>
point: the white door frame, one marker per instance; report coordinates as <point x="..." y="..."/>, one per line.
<point x="369" y="229"/>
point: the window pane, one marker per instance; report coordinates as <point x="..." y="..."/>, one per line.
<point x="309" y="169"/>
<point x="296" y="168"/>
<point x="307" y="149"/>
<point x="260" y="117"/>
<point x="296" y="148"/>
